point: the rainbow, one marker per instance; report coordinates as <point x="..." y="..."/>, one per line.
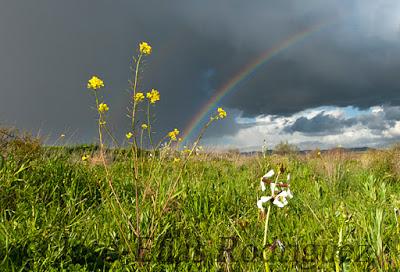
<point x="247" y="71"/>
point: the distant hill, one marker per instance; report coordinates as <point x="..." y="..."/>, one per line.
<point x="352" y="149"/>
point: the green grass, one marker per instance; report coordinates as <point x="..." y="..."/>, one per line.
<point x="58" y="214"/>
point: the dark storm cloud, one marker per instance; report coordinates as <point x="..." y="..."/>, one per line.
<point x="322" y="75"/>
<point x="50" y="48"/>
<point x="321" y="124"/>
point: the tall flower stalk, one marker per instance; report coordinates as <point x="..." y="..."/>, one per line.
<point x="137" y="97"/>
<point x="280" y="192"/>
<point x="95" y="84"/>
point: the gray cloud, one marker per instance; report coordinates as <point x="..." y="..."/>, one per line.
<point x="327" y="124"/>
<point x="321" y="124"/>
<point x="324" y="127"/>
<point x="392" y="113"/>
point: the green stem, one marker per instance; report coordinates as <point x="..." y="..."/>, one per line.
<point x="337" y="261"/>
<point x="266" y="265"/>
<point x="99" y="123"/>
<point x="135" y="147"/>
<point x="203" y="130"/>
<point x="149" y="128"/>
<point x="115" y="141"/>
<point x="108" y="177"/>
<point x="134" y="87"/>
<point x="171" y="189"/>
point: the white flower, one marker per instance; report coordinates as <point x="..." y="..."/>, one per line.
<point x="280" y="199"/>
<point x="267" y="175"/>
<point x="274" y="188"/>
<point x="263" y="200"/>
<point x="279" y="196"/>
<point x="262" y="185"/>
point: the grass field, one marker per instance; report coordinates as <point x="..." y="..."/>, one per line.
<point x="58" y="213"/>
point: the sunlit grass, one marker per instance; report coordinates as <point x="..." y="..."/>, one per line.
<point x="55" y="214"/>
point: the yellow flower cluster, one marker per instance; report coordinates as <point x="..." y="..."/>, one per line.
<point x="144" y="126"/>
<point x="129" y="135"/>
<point x="145" y="48"/>
<point x="221" y="113"/>
<point x="85" y="157"/>
<point x="153" y="96"/>
<point x="176" y="160"/>
<point x="173" y="134"/>
<point x="95" y="83"/>
<point x="139" y="97"/>
<point x="103" y="107"/>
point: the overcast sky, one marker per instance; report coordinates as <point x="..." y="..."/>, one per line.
<point x="338" y="86"/>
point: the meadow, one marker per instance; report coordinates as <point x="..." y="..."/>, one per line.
<point x="59" y="214"/>
<point x="147" y="206"/>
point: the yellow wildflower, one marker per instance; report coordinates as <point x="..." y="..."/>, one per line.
<point x="176" y="160"/>
<point x="139" y="97"/>
<point x="185" y="150"/>
<point x="173" y="134"/>
<point x="144" y="126"/>
<point x="103" y="107"/>
<point x="85" y="157"/>
<point x="221" y="113"/>
<point x="153" y="96"/>
<point x="129" y="135"/>
<point x="145" y="48"/>
<point x="95" y="83"/>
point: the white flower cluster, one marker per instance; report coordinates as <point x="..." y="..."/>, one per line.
<point x="280" y="192"/>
